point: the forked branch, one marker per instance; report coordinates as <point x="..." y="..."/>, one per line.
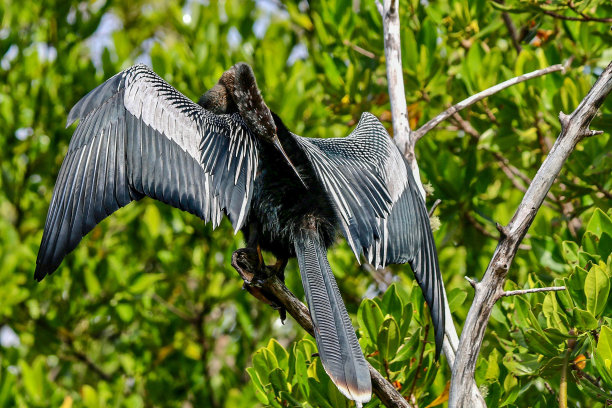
<point x="574" y="128"/>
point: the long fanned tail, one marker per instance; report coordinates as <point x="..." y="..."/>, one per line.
<point x="338" y="347"/>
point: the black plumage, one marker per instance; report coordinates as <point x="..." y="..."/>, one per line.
<point x="229" y="154"/>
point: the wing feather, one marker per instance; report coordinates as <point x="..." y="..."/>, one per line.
<point x="139" y="136"/>
<point x="378" y="206"/>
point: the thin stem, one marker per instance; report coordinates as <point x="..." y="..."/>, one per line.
<point x="418" y="369"/>
<point x="417" y="134"/>
<point x="582" y="18"/>
<point x="533" y="290"/>
<point x="433" y="207"/>
<point x="563" y="382"/>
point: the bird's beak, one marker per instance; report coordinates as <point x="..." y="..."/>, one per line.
<point x="278" y="145"/>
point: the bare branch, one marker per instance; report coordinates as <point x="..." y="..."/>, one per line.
<point x="397" y="97"/>
<point x="533" y="290"/>
<point x="417" y="134"/>
<point x="275" y="291"/>
<point x="574" y="128"/>
<point x="472" y="282"/>
<point x="358" y="49"/>
<point x="405" y="141"/>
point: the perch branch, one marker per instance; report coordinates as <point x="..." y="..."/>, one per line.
<point x="420" y="132"/>
<point x="279" y="296"/>
<point x="533" y="290"/>
<point x="405" y="141"/>
<point x="574" y="128"/>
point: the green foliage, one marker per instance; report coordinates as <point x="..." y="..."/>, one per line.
<point x="147" y="310"/>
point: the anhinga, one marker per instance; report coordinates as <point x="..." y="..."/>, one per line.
<point x="138" y="136"/>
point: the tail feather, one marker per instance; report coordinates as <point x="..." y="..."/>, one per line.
<point x="338" y="347"/>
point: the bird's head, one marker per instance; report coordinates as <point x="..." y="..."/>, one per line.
<point x="237" y="91"/>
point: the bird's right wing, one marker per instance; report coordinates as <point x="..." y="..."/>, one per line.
<point x="139" y="136"/>
<point x="379" y="208"/>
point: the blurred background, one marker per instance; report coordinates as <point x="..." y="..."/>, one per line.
<point x="147" y="311"/>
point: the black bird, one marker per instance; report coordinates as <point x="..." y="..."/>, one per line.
<point x="138" y="136"/>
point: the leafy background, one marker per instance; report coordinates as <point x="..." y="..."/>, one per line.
<point x="147" y="310"/>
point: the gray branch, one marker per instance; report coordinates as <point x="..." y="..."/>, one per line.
<point x="534" y="290"/>
<point x="397" y="97"/>
<point x="420" y="132"/>
<point x="574" y="128"/>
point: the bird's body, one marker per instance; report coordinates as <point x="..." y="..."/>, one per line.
<point x="289" y="195"/>
<point x="281" y="203"/>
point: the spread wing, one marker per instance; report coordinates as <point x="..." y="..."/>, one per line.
<point x="379" y="208"/>
<point x="138" y="136"/>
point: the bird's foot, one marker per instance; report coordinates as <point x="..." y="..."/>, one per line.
<point x="255" y="274"/>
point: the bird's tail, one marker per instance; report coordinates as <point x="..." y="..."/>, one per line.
<point x="338" y="347"/>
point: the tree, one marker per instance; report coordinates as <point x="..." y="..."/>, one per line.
<point x="148" y="311"/>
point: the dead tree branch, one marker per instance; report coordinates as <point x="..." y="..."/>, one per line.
<point x="420" y="132"/>
<point x="574" y="128"/>
<point x="533" y="290"/>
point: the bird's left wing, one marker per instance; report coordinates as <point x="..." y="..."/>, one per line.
<point x="378" y="206"/>
<point x="139" y="136"/>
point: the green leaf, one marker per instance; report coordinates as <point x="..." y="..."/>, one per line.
<point x="456" y="297"/>
<point x="570" y="251"/>
<point x="597" y="289"/>
<point x="492" y="372"/>
<point x="407" y="350"/>
<point x="599" y="223"/>
<point x="391" y="303"/>
<point x="318" y="394"/>
<point x="388" y="338"/>
<point x="260" y="391"/>
<point x="584" y="319"/>
<point x="91" y="282"/>
<point x="278" y="380"/>
<point x="370" y="318"/>
<point x="603" y="355"/>
<point x="539" y="343"/>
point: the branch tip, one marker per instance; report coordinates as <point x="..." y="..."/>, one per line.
<point x="566" y="64"/>
<point x="564" y="119"/>
<point x="589" y="133"/>
<point x="472" y="282"/>
<point x="503" y="231"/>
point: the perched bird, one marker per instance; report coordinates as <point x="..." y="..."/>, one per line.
<point x="138" y="136"/>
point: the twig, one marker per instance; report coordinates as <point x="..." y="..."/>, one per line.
<point x="433" y="207"/>
<point x="533" y="290"/>
<point x="360" y="50"/>
<point x="513" y="173"/>
<point x="420" y="132"/>
<point x="416" y="373"/>
<point x="574" y="128"/>
<point x="511" y="28"/>
<point x="273" y="287"/>
<point x="172" y="308"/>
<point x="582" y="18"/>
<point x="563" y="382"/>
<point x="473" y="282"/>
